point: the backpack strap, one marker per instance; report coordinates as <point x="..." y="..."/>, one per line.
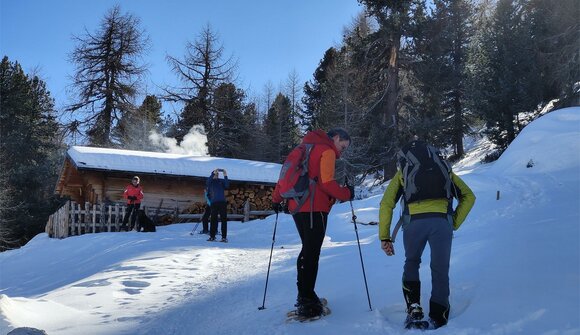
<point x="409" y="176"/>
<point x="445" y="168"/>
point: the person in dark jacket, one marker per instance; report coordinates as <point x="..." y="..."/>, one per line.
<point x="134" y="194"/>
<point x="215" y="189"/>
<point x="311" y="218"/>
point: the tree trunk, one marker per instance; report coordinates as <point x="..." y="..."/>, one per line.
<point x="391" y="116"/>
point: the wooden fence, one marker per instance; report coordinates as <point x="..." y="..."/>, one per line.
<point x="72" y="219"/>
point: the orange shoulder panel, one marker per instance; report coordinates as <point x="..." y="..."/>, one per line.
<point x="327" y="162"/>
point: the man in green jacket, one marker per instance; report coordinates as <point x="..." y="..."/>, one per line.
<point x="425" y="221"/>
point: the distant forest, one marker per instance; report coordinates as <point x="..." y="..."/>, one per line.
<point x="440" y="69"/>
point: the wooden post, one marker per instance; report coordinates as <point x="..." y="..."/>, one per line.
<point x="66" y="220"/>
<point x="116" y="217"/>
<point x="122" y="216"/>
<point x="79" y="219"/>
<point x="55" y="224"/>
<point x="94" y="218"/>
<point x="59" y="223"/>
<point x="110" y="211"/>
<point x="73" y="218"/>
<point x="48" y="226"/>
<point x="102" y="218"/>
<point x="87" y="217"/>
<point x="246" y="211"/>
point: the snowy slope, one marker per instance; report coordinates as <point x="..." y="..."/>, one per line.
<point x="515" y="264"/>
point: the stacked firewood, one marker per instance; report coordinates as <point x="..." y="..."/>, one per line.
<point x="259" y="196"/>
<point x="195" y="208"/>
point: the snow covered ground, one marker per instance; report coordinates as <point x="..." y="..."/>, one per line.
<point x="515" y="266"/>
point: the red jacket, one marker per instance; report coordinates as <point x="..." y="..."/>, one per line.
<point x="320" y="168"/>
<point x="135" y="191"/>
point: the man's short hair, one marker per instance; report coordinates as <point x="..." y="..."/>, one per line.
<point x="342" y="134"/>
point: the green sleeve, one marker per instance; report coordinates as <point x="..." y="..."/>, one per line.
<point x="466" y="200"/>
<point x="388" y="203"/>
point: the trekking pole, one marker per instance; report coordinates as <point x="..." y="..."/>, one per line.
<point x="269" y="263"/>
<point x="194" y="229"/>
<point x="360" y="254"/>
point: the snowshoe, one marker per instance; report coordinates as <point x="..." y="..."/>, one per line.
<point x="415" y="318"/>
<point x="309" y="312"/>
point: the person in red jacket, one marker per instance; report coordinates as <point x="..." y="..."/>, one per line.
<point x="133" y="193"/>
<point x="311" y="218"/>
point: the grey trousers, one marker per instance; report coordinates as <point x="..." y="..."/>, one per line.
<point x="438" y="232"/>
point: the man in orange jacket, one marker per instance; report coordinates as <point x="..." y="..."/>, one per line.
<point x="133" y="193"/>
<point x="311" y="218"/>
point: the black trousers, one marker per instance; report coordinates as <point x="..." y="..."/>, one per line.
<point x="312" y="235"/>
<point x="205" y="218"/>
<point x="219" y="208"/>
<point x="131" y="212"/>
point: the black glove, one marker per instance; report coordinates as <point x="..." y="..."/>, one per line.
<point x="277" y="207"/>
<point x="351" y="189"/>
<point x="132" y="197"/>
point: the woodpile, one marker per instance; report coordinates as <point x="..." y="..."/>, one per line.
<point x="259" y="196"/>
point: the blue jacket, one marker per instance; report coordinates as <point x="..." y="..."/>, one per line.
<point x="216" y="187"/>
<point x="206" y="196"/>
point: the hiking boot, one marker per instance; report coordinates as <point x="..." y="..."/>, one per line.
<point x="438" y="314"/>
<point x="211" y="239"/>
<point x="309" y="307"/>
<point x="298" y="301"/>
<point x="434" y="324"/>
<point x="415" y="313"/>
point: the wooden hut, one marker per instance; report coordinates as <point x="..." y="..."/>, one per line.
<point x="100" y="175"/>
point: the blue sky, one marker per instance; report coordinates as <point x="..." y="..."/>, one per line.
<point x="269" y="38"/>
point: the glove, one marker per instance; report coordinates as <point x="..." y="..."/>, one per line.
<point x="351" y="189"/>
<point x="277" y="207"/>
<point x="132" y="197"/>
<point x="387" y="246"/>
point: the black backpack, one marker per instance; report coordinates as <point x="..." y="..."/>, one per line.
<point x="426" y="174"/>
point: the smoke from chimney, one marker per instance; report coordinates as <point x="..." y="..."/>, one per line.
<point x="194" y="143"/>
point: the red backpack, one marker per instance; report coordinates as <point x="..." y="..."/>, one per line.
<point x="293" y="182"/>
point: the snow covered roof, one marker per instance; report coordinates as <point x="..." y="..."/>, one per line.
<point x="171" y="164"/>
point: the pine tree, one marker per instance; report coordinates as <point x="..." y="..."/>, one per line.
<point x="29" y="148"/>
<point x="385" y="59"/>
<point x="555" y="31"/>
<point x="253" y="140"/>
<point x="315" y="93"/>
<point x="441" y="53"/>
<point x="134" y="128"/>
<point x="279" y="129"/>
<point x="201" y="70"/>
<point x="107" y="74"/>
<point x="294" y="95"/>
<point x="226" y="138"/>
<point x="502" y="70"/>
